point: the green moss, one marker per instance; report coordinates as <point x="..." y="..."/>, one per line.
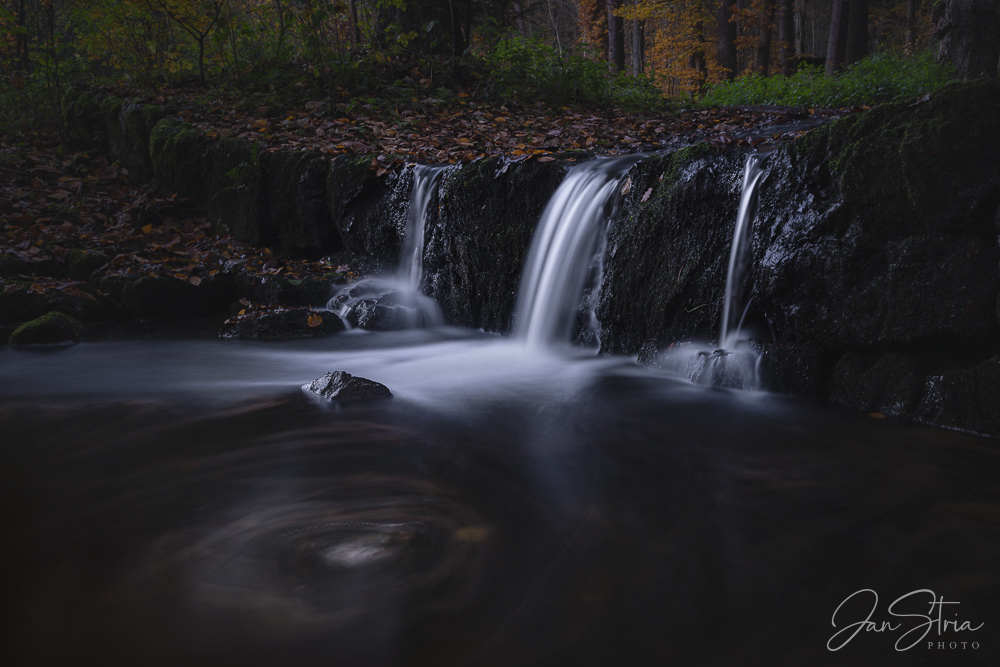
<point x="180" y="157"/>
<point x="53" y="327"/>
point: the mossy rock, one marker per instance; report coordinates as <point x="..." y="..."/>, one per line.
<point x="181" y="158"/>
<point x="81" y="264"/>
<point x="668" y="249"/>
<point x="296" y="187"/>
<point x="130" y="126"/>
<point x="237" y="203"/>
<point x="51" y="328"/>
<point x="478" y="236"/>
<point x="369" y="212"/>
<point x="81" y="113"/>
<point x="163" y="297"/>
<point x="19" y="304"/>
<point x="880" y="228"/>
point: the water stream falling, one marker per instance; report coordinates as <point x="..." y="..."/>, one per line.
<point x="733" y="362"/>
<point x="397" y="302"/>
<point x="738" y="255"/>
<point x="566" y="249"/>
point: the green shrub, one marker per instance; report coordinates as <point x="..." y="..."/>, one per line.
<point x="519" y="70"/>
<point x="879" y="78"/>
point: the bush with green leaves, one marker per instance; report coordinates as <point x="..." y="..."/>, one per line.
<point x="879" y="78"/>
<point x="519" y="69"/>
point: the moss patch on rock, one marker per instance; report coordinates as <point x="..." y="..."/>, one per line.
<point x="54" y="327"/>
<point x="181" y="158"/>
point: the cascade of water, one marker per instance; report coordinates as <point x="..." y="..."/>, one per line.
<point x="397" y="303"/>
<point x="738" y="254"/>
<point x="425" y="180"/>
<point x="733" y="363"/>
<point x="570" y="233"/>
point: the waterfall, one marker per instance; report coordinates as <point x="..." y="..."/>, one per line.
<point x="570" y="234"/>
<point x="398" y="303"/>
<point x="738" y="254"/>
<point x="411" y="265"/>
<point x="733" y="363"/>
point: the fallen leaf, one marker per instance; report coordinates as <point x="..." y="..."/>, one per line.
<point x="645" y="196"/>
<point x="314" y="320"/>
<point x="194" y="280"/>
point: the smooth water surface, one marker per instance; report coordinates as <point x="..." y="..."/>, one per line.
<point x="183" y="502"/>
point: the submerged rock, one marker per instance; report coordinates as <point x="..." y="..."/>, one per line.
<point x="282" y="323"/>
<point x="54" y="327"/>
<point x="342" y="386"/>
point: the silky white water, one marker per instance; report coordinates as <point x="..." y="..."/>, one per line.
<point x="568" y="237"/>
<point x="403" y="304"/>
<point x="732" y="308"/>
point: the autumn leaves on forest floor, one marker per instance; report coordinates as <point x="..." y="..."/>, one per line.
<point x="71" y="216"/>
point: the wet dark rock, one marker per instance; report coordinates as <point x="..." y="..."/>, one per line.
<point x="237" y="193"/>
<point x="51" y="328"/>
<point x="477" y="240"/>
<point x="880" y="228"/>
<point x="796" y="369"/>
<point x="181" y="158"/>
<point x="964" y="399"/>
<point x="81" y="264"/>
<point x="85" y="125"/>
<point x="666" y="260"/>
<point x="18" y="304"/>
<point x="369" y="211"/>
<point x="286" y="291"/>
<point x="888" y="382"/>
<point x="162" y="297"/>
<point x="296" y="186"/>
<point x="129" y="127"/>
<point x="341" y="386"/>
<point x="11" y="266"/>
<point x="282" y="323"/>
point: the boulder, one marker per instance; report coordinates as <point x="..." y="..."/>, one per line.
<point x="51" y="328"/>
<point x="340" y="386"/>
<point x="880" y="229"/>
<point x="668" y="249"/>
<point x="369" y="211"/>
<point x="296" y="185"/>
<point x="964" y="398"/>
<point x="237" y="193"/>
<point x="158" y="297"/>
<point x="181" y="158"/>
<point x="477" y="239"/>
<point x="892" y="383"/>
<point x="129" y="127"/>
<point x="282" y="323"/>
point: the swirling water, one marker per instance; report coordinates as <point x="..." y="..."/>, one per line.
<point x="182" y="502"/>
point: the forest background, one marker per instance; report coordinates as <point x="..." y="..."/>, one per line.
<point x="630" y="54"/>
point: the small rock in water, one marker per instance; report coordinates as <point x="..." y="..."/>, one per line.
<point x="54" y="327"/>
<point x="341" y="386"/>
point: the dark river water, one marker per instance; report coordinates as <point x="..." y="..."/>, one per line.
<point x="182" y="502"/>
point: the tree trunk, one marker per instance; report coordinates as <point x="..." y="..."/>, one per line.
<point x="786" y="36"/>
<point x="968" y="32"/>
<point x="638" y="46"/>
<point x="764" y="48"/>
<point x="857" y="32"/>
<point x="911" y="22"/>
<point x="726" y="47"/>
<point x="616" y="38"/>
<point x="837" y="43"/>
